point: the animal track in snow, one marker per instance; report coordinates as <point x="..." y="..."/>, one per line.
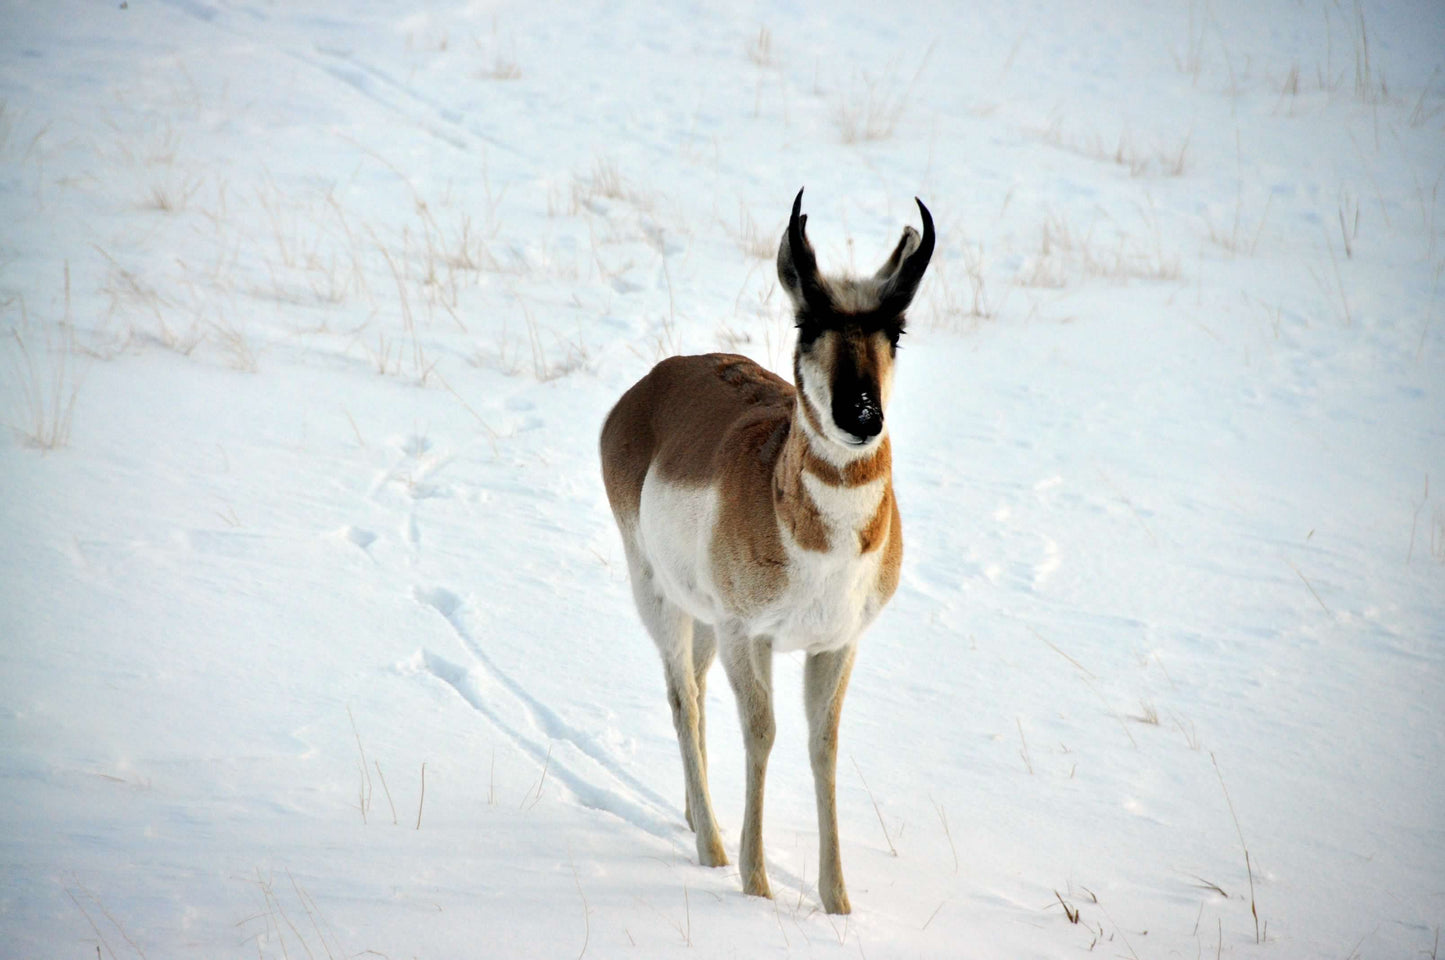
<point x="358" y="537"/>
<point x="1046" y="567"/>
<point x="543" y="718"/>
<point x="414" y="445"/>
<point x="473" y="686"/>
<point x="484" y="687"/>
<point x="483" y="684"/>
<point x="412" y="474"/>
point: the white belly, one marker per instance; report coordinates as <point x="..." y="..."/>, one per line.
<point x="829" y="601"/>
<point x="830" y="598"/>
<point x="674" y="531"/>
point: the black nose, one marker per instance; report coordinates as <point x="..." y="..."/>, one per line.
<point x="859" y="416"/>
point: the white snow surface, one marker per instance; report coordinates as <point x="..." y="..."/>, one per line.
<point x="315" y="635"/>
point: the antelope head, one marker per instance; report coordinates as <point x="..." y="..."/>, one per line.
<point x="848" y="331"/>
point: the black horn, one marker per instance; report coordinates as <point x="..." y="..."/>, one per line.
<point x="897" y="292"/>
<point x="798" y="265"/>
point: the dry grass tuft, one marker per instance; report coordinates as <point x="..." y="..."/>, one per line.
<point x="546" y="354"/>
<point x="871" y="105"/>
<point x="1190" y="60"/>
<point x="1065" y="255"/>
<point x="1155" y="161"/>
<point x="501" y="68"/>
<point x="1370" y="85"/>
<point x="235" y="346"/>
<point x="168" y="197"/>
<point x="760" y="48"/>
<point x="48" y="386"/>
<point x="1147" y="714"/>
<point x="751" y="240"/>
<point x="603" y="182"/>
<point x="503" y="64"/>
<point x="960" y="306"/>
<point x="1237" y="238"/>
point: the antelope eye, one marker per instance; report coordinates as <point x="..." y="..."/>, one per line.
<point x="808" y="331"/>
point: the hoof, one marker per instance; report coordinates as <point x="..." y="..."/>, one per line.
<point x="757" y="886"/>
<point x="837" y="902"/>
<point x="711" y="854"/>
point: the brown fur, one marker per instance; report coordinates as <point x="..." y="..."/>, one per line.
<point x="693" y="416"/>
<point x="892" y="566"/>
<point x="874" y="532"/>
<point x="856" y="473"/>
<point x="795" y="506"/>
<point x="869" y="355"/>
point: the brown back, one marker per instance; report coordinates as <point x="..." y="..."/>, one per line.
<point x="699" y="418"/>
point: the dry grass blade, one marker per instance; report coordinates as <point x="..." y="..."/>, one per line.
<point x="1248" y="867"/>
<point x="308" y="904"/>
<point x="943" y="819"/>
<point x="1415" y="518"/>
<point x="1207" y="885"/>
<point x="1071" y="912"/>
<point x="891" y="848"/>
<point x="537" y="795"/>
<point x="760" y="48"/>
<point x="1088" y="679"/>
<point x="492" y="435"/>
<point x="107" y="914"/>
<point x="386" y="790"/>
<point x="586" y="911"/>
<point x="1310" y="586"/>
<point x="364" y="789"/>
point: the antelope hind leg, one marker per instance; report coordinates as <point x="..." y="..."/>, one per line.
<point x="704" y="648"/>
<point x="672" y="631"/>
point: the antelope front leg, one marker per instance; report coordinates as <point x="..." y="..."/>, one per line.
<point x="749" y="665"/>
<point x="825" y="680"/>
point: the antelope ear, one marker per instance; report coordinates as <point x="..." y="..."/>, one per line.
<point x="798" y="266"/>
<point x="896" y="292"/>
<point x="906" y="245"/>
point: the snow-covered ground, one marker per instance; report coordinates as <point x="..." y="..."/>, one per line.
<point x="315" y="635"/>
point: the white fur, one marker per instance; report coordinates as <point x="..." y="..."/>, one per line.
<point x="674" y="535"/>
<point x="829" y="598"/>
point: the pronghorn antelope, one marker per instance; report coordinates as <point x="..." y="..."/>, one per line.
<point x="759" y="517"/>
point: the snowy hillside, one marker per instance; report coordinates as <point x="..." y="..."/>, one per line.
<point x="315" y="632"/>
